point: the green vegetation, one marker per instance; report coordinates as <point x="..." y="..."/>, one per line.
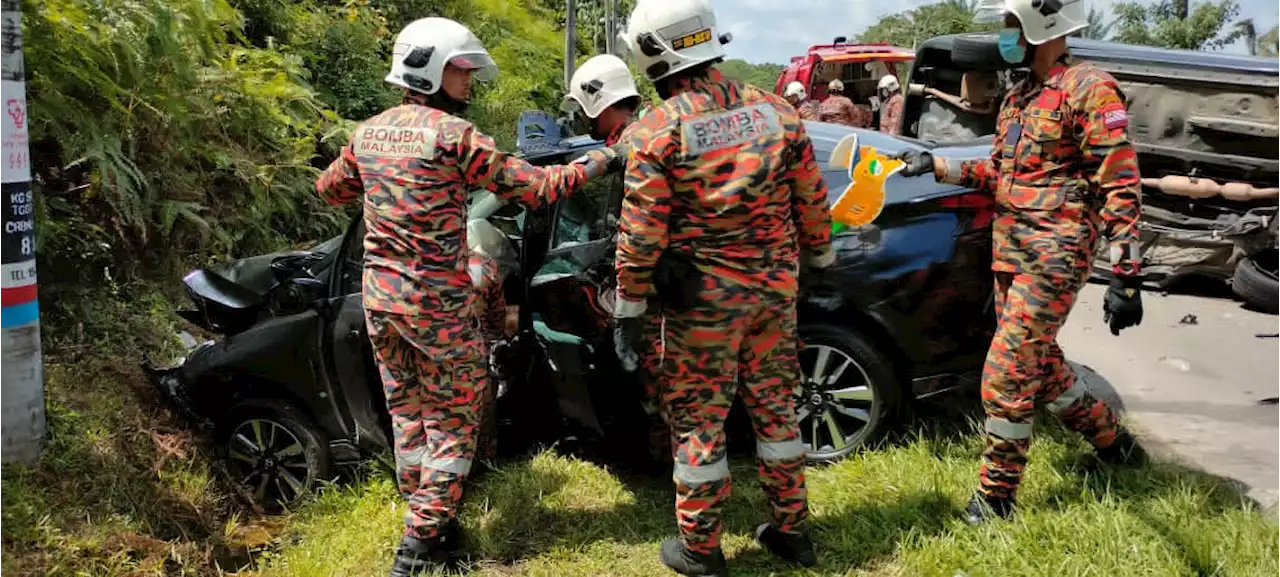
<point x="168" y="133"/>
<point x="890" y="512"/>
<point x="762" y="76"/>
<point x="1166" y="23"/>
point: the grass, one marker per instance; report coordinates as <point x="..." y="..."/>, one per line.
<point x="123" y="489"/>
<point x="890" y="512"/>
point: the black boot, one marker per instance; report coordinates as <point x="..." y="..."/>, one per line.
<point x="417" y="556"/>
<point x="983" y="508"/>
<point x="1124" y="451"/>
<point x="685" y="562"/>
<point x="790" y="547"/>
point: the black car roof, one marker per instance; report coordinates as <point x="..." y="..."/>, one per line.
<point x="824" y="137"/>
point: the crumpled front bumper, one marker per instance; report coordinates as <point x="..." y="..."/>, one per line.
<point x="173" y="381"/>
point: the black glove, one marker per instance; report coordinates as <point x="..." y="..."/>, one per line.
<point x="1122" y="307"/>
<point x="627" y="334"/>
<point x="818" y="287"/>
<point x="602" y="161"/>
<point x="918" y="162"/>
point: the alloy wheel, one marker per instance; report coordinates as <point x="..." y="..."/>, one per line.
<point x="269" y="461"/>
<point x="836" y="406"/>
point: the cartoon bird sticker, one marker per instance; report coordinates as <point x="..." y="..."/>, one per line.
<point x="861" y="201"/>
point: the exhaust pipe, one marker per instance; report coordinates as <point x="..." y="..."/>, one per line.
<point x="1196" y="187"/>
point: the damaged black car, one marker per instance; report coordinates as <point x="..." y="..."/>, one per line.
<point x="289" y="390"/>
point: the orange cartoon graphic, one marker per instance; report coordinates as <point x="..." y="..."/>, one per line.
<point x="861" y="201"/>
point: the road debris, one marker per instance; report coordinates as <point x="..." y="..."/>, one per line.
<point x="1267" y="335"/>
<point x="1190" y="319"/>
<point x="1270" y="401"/>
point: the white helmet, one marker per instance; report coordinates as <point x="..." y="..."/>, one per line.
<point x="424" y="46"/>
<point x="888" y="82"/>
<point x="1042" y="20"/>
<point x="667" y="36"/>
<point x="794" y="88"/>
<point x="835" y="86"/>
<point x="601" y="82"/>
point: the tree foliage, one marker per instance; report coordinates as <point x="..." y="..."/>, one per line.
<point x="1177" y="24"/>
<point x="168" y="132"/>
<point x="762" y="76"/>
<point x="910" y="27"/>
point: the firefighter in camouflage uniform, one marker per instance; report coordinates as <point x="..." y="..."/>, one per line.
<point x="1063" y="171"/>
<point x="603" y="94"/>
<point x="413" y="165"/>
<point x="796" y="97"/>
<point x="723" y="197"/>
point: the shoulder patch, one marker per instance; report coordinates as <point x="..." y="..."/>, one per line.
<point x="389" y="141"/>
<point x="702" y="134"/>
<point x="1115" y="116"/>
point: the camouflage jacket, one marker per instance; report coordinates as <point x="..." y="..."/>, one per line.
<point x="1063" y="170"/>
<point x="838" y="110"/>
<point x="891" y="115"/>
<point x="724" y="174"/>
<point x="806" y="111"/>
<point x="491" y="303"/>
<point x="414" y="166"/>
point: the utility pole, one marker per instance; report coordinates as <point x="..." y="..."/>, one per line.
<point x="22" y="418"/>
<point x="610" y="27"/>
<point x="570" y="40"/>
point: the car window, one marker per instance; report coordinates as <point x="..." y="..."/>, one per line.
<point x="586" y="215"/>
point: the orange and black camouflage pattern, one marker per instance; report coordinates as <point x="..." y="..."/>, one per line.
<point x="1062" y="169"/>
<point x="491" y="314"/>
<point x="1024" y="369"/>
<point x="651" y="355"/>
<point x="490" y="303"/>
<point x="806" y="111"/>
<point x="838" y="109"/>
<point x="415" y="166"/>
<point x="435" y="406"/>
<point x="742" y="211"/>
<point x="713" y="353"/>
<point x="891" y="114"/>
<point x="724" y="174"/>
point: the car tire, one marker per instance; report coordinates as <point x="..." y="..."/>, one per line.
<point x="864" y="390"/>
<point x="276" y="455"/>
<point x="1255" y="281"/>
<point x="977" y="51"/>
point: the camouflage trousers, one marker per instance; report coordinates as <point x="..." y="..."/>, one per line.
<point x="436" y="402"/>
<point x="651" y="357"/>
<point x="1024" y="369"/>
<point x="711" y="354"/>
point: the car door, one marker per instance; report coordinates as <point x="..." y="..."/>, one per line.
<point x="570" y="295"/>
<point x="353" y="372"/>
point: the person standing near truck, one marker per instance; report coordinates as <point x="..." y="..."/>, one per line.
<point x="1062" y="170"/>
<point x="723" y="202"/>
<point x="796" y="96"/>
<point x="891" y="109"/>
<point x="413" y="164"/>
<point x="838" y="109"/>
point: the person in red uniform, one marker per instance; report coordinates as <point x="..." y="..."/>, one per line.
<point x="723" y="202"/>
<point x="891" y="109"/>
<point x="838" y="109"/>
<point x="796" y="96"/>
<point x="1063" y="171"/>
<point x="603" y="93"/>
<point x="414" y="165"/>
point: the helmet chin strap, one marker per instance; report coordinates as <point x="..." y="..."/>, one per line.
<point x="442" y="101"/>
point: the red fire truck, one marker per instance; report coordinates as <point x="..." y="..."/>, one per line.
<point x="858" y="66"/>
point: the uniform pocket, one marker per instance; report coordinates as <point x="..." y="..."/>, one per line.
<point x="1033" y="186"/>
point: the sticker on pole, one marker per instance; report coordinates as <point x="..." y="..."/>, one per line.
<point x="864" y="198"/>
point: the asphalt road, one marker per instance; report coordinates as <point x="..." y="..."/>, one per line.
<point x="1200" y="391"/>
